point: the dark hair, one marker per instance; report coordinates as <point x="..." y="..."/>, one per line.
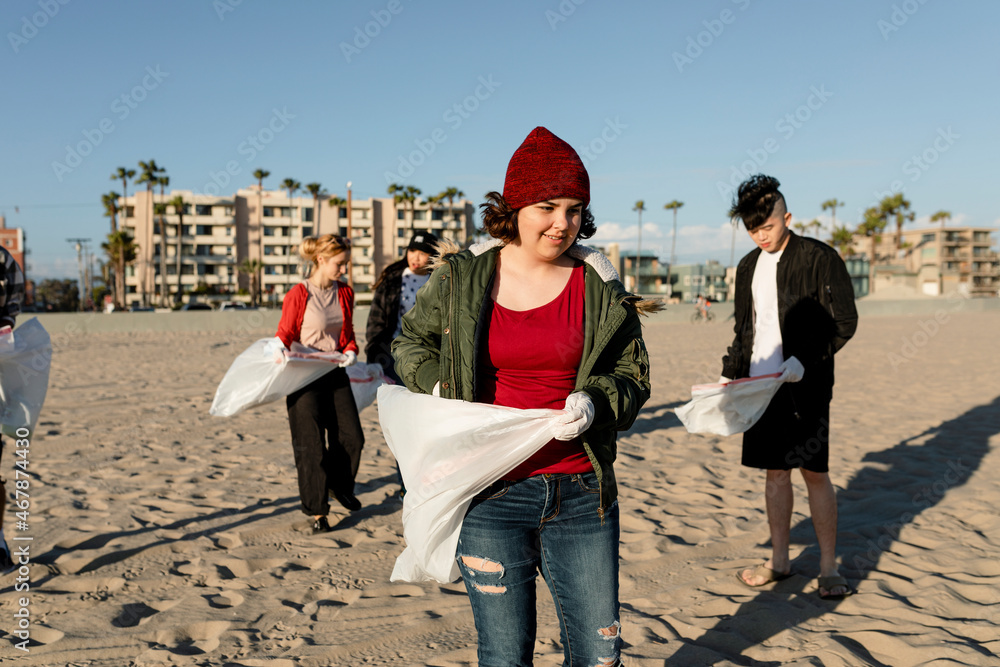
<point x="500" y="220"/>
<point x="758" y="197"/>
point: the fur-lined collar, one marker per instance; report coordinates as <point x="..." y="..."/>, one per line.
<point x="595" y="258"/>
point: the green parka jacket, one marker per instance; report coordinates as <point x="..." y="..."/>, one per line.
<point x="444" y="332"/>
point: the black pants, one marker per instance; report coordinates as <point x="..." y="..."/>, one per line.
<point x="327" y="439"/>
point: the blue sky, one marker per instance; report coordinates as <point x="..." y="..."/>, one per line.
<point x="665" y="100"/>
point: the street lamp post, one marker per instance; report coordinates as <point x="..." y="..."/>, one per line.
<point x="350" y="239"/>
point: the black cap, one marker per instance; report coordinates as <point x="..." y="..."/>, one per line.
<point x="423" y="241"/>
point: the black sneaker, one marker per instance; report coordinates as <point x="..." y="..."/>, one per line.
<point x="321" y="525"/>
<point x="348" y="500"/>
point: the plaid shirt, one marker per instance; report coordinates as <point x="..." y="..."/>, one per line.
<point x="11" y="288"/>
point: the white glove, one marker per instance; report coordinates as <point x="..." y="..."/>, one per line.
<point x="350" y="358"/>
<point x="436" y="391"/>
<point x="724" y="380"/>
<point x="577" y="417"/>
<point x="792" y="370"/>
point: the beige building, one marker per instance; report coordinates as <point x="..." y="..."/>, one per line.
<point x="935" y="261"/>
<point x="220" y="233"/>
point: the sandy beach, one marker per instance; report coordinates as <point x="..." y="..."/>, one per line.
<point x="164" y="536"/>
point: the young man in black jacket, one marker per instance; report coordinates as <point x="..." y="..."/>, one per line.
<point x="794" y="298"/>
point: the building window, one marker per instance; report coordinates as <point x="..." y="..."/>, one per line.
<point x="268" y="211"/>
<point x="202" y="209"/>
<point x="130" y="211"/>
<point x="203" y="250"/>
<point x="361" y="213"/>
<point x="927" y="238"/>
<point x="229" y="230"/>
<point x="928" y="252"/>
<point x="204" y="230"/>
<point x="437" y="215"/>
<point x="269" y="231"/>
<point x="285" y="211"/>
<point x="400" y="214"/>
<point x="418" y="215"/>
<point x="307" y="215"/>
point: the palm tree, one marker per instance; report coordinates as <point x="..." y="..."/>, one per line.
<point x="876" y="218"/>
<point x="251" y="268"/>
<point x="640" y="206"/>
<point x="260" y="175"/>
<point x="336" y="203"/>
<point x="899" y="207"/>
<point x="815" y="224"/>
<point x="832" y="204"/>
<point x="123" y="174"/>
<point x="317" y="191"/>
<point x="291" y="185"/>
<point x="451" y="194"/>
<point x="843" y="240"/>
<point x="432" y="201"/>
<point x="178" y="204"/>
<point x="800" y="227"/>
<point x="410" y="196"/>
<point x="673" y="206"/>
<point x="942" y="217"/>
<point x="121" y="252"/>
<point x="150" y="173"/>
<point x="111" y="209"/>
<point x="161" y="208"/>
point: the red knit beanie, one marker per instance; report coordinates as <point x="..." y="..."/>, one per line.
<point x="545" y="167"/>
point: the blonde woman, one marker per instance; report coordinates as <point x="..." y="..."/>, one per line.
<point x="326" y="432"/>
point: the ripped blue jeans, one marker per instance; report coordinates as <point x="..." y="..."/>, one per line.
<point x="547" y="524"/>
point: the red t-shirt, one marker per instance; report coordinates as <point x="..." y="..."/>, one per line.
<point x="531" y="361"/>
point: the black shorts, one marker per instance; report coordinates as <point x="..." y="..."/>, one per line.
<point x="789" y="435"/>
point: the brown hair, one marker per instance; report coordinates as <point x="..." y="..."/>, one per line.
<point x="500" y="220"/>
<point x="328" y="245"/>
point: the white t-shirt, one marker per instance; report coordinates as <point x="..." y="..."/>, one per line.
<point x="408" y="295"/>
<point x="767" y="355"/>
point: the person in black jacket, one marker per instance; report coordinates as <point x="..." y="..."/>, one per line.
<point x="395" y="293"/>
<point x="794" y="298"/>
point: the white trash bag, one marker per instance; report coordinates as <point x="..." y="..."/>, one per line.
<point x="25" y="359"/>
<point x="733" y="407"/>
<point x="448" y="451"/>
<point x="265" y="372"/>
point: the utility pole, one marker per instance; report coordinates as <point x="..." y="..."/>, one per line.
<point x="79" y="262"/>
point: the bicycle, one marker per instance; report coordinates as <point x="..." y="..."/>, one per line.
<point x="697" y="317"/>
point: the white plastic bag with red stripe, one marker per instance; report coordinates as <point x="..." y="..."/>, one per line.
<point x="733" y="407"/>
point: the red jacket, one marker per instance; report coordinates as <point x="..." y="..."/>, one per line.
<point x="293" y="309"/>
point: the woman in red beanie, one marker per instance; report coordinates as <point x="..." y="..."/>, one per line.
<point x="323" y="417"/>
<point x="533" y="319"/>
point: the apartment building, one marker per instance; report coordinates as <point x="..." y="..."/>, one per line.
<point x="935" y="261"/>
<point x="219" y="233"/>
<point x="12" y="238"/>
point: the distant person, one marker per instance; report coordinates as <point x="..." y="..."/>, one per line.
<point x="533" y="319"/>
<point x="395" y="293"/>
<point x="326" y="431"/>
<point x="11" y="295"/>
<point x="793" y="299"/>
<point x="702" y="304"/>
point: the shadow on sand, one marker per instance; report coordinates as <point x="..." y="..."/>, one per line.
<point x="909" y="478"/>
